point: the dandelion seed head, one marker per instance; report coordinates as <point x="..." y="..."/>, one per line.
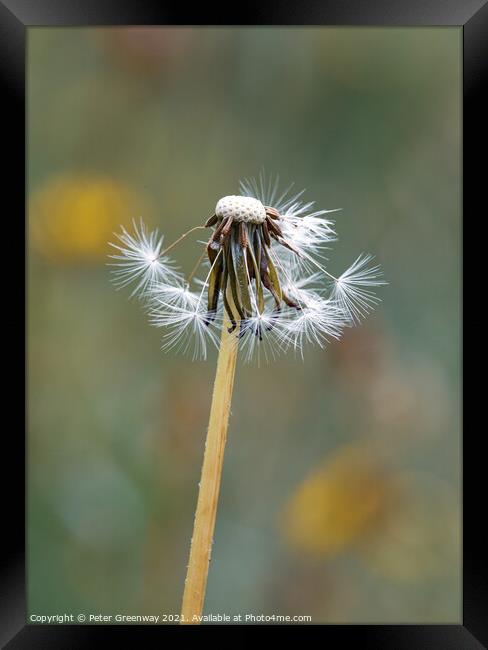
<point x="265" y="277"/>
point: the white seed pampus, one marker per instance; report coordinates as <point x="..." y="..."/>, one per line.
<point x="241" y="208"/>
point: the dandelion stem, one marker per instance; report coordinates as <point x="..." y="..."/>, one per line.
<point x="208" y="495"/>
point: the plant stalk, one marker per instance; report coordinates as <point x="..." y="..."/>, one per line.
<point x="208" y="494"/>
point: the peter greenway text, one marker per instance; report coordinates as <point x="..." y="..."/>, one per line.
<point x="155" y="619"/>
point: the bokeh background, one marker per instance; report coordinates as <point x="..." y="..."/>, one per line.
<point x="340" y="495"/>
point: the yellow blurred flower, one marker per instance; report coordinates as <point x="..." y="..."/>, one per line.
<point x="72" y="218"/>
<point x="341" y="501"/>
<point x="404" y="525"/>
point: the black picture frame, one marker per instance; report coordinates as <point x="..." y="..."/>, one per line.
<point x="15" y="17"/>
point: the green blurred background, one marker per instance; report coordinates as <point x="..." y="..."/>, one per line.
<point x="340" y="495"/>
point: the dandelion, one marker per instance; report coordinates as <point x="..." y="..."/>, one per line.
<point x="265" y="290"/>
